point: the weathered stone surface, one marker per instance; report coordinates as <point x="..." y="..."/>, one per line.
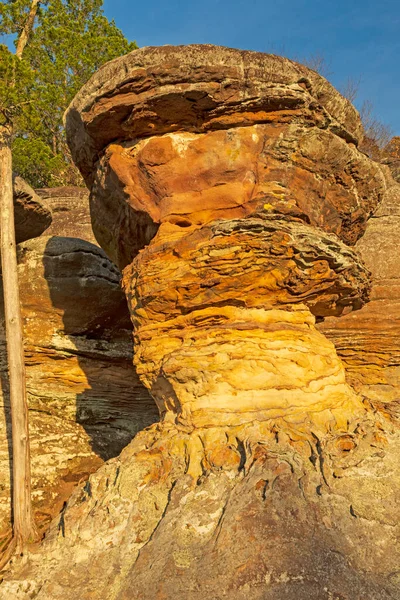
<point x="286" y="520"/>
<point x="239" y="175"/>
<point x="222" y="326"/>
<point x="198" y="87"/>
<point x="32" y="216"/>
<point x="391" y="157"/>
<point x="255" y="129"/>
<point x="229" y="188"/>
<point x="272" y="167"/>
<point x="368" y="340"/>
<point x="85" y="399"/>
<point x="70" y="210"/>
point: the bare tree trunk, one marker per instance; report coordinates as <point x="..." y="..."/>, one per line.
<point x="24" y="529"/>
<point x="25" y="33"/>
<point x="23" y="526"/>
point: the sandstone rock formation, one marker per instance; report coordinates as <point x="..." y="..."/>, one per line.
<point x="284" y="137"/>
<point x="391" y="157"/>
<point x="273" y="169"/>
<point x="85" y="400"/>
<point x="229" y="187"/>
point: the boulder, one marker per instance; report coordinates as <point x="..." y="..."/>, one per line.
<point x="32" y="216"/>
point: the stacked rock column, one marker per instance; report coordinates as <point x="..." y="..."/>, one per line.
<point x="224" y="333"/>
<point x="228" y="187"/>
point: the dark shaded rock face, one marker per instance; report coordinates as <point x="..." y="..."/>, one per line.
<point x="32" y="216"/>
<point x="228" y="185"/>
<point x="85" y="399"/>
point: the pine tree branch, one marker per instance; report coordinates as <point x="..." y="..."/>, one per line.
<point x="27" y="29"/>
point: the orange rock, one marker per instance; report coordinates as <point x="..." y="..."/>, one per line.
<point x="229" y="197"/>
<point x="368" y="340"/>
<point x="265" y="478"/>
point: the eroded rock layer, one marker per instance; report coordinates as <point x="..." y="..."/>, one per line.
<point x="368" y="340"/>
<point x="32" y="216"/>
<point x="272" y="520"/>
<point x="230" y="170"/>
<point x="223" y="334"/>
<point x="70" y="210"/>
<point x="255" y="129"/>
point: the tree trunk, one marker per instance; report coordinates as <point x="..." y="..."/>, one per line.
<point x="25" y="33"/>
<point x="23" y="524"/>
<point x="24" y="528"/>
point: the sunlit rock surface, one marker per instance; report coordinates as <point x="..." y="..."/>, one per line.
<point x="229" y="187"/>
<point x="368" y="340"/>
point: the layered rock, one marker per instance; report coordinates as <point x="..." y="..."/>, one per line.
<point x="230" y="198"/>
<point x="223" y="331"/>
<point x="281" y="138"/>
<point x="70" y="209"/>
<point x="239" y="240"/>
<point x="391" y="157"/>
<point x="85" y="399"/>
<point x="368" y="340"/>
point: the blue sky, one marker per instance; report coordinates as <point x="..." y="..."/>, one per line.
<point x="359" y="39"/>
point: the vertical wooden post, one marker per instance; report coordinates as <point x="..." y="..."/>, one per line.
<point x="22" y="511"/>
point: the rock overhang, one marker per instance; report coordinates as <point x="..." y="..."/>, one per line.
<point x="31" y="214"/>
<point x="154" y="90"/>
<point x="191" y="134"/>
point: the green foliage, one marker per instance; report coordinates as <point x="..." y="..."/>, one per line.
<point x="13" y="15"/>
<point x="15" y="81"/>
<point x="70" y="41"/>
<point x="36" y="163"/>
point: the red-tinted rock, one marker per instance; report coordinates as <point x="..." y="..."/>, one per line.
<point x="368" y="340"/>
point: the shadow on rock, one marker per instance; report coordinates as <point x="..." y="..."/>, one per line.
<point x="85" y="292"/>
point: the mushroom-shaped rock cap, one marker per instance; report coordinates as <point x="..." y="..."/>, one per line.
<point x="197" y="88"/>
<point x="31" y="215"/>
<point x="191" y="134"/>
